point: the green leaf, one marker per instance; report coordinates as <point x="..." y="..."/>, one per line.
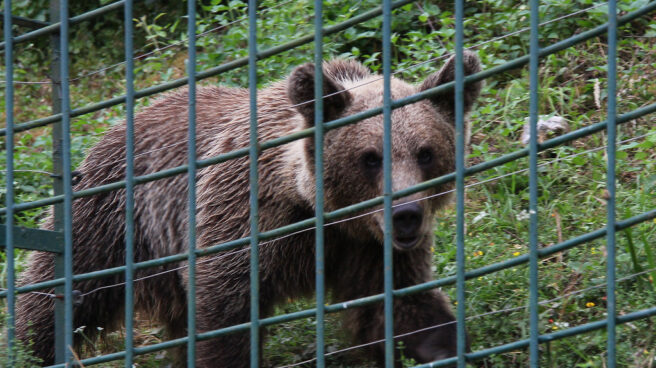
<point x="579" y="160"/>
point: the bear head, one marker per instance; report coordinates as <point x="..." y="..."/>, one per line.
<point x="423" y="145"/>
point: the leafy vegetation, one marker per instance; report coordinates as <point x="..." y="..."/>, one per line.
<point x="572" y="177"/>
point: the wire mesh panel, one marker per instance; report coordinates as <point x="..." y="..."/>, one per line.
<point x="185" y="260"/>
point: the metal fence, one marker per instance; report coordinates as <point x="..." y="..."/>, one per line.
<point x="60" y="241"/>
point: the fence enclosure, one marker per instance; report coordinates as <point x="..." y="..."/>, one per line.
<point x="60" y="241"/>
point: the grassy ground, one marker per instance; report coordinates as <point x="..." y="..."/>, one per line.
<point x="572" y="180"/>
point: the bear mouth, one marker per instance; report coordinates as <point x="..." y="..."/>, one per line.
<point x="406" y="242"/>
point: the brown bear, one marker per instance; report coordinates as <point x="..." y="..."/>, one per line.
<point x="423" y="141"/>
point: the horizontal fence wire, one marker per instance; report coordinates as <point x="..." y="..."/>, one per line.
<point x="496" y="267"/>
<point x="267" y="235"/>
<point x="305" y="225"/>
<point x="265" y="243"/>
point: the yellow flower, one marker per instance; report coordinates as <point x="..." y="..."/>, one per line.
<point x="516" y="254"/>
<point x="589" y="304"/>
<point x="554" y="328"/>
<point x="478" y="253"/>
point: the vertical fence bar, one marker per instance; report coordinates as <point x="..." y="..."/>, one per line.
<point x="610" y="176"/>
<point x="460" y="186"/>
<point x="191" y="184"/>
<point x="319" y="200"/>
<point x="9" y="142"/>
<point x="57" y="177"/>
<point x="387" y="186"/>
<point x="66" y="177"/>
<point x="253" y="178"/>
<point x="129" y="186"/>
<point x="533" y="187"/>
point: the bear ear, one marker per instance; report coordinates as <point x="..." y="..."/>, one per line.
<point x="445" y="102"/>
<point x="300" y="90"/>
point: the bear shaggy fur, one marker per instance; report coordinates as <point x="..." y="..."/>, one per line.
<point x="423" y="141"/>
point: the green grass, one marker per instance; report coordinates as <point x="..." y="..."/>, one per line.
<point x="571" y="186"/>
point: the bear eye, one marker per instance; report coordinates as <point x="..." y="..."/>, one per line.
<point x="372" y="161"/>
<point x="425" y="157"/>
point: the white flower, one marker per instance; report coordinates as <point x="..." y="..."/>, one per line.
<point x="522" y="216"/>
<point x="561" y="324"/>
<point x="79" y="329"/>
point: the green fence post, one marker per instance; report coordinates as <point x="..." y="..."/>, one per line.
<point x="191" y="184"/>
<point x="388" y="188"/>
<point x="66" y="181"/>
<point x="9" y="142"/>
<point x="610" y="185"/>
<point x="460" y="185"/>
<point x="129" y="186"/>
<point x="319" y="196"/>
<point x="534" y="331"/>
<point x="253" y="154"/>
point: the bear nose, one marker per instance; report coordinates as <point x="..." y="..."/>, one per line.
<point x="407" y="219"/>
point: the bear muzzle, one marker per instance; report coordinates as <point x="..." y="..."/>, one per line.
<point x="407" y="220"/>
